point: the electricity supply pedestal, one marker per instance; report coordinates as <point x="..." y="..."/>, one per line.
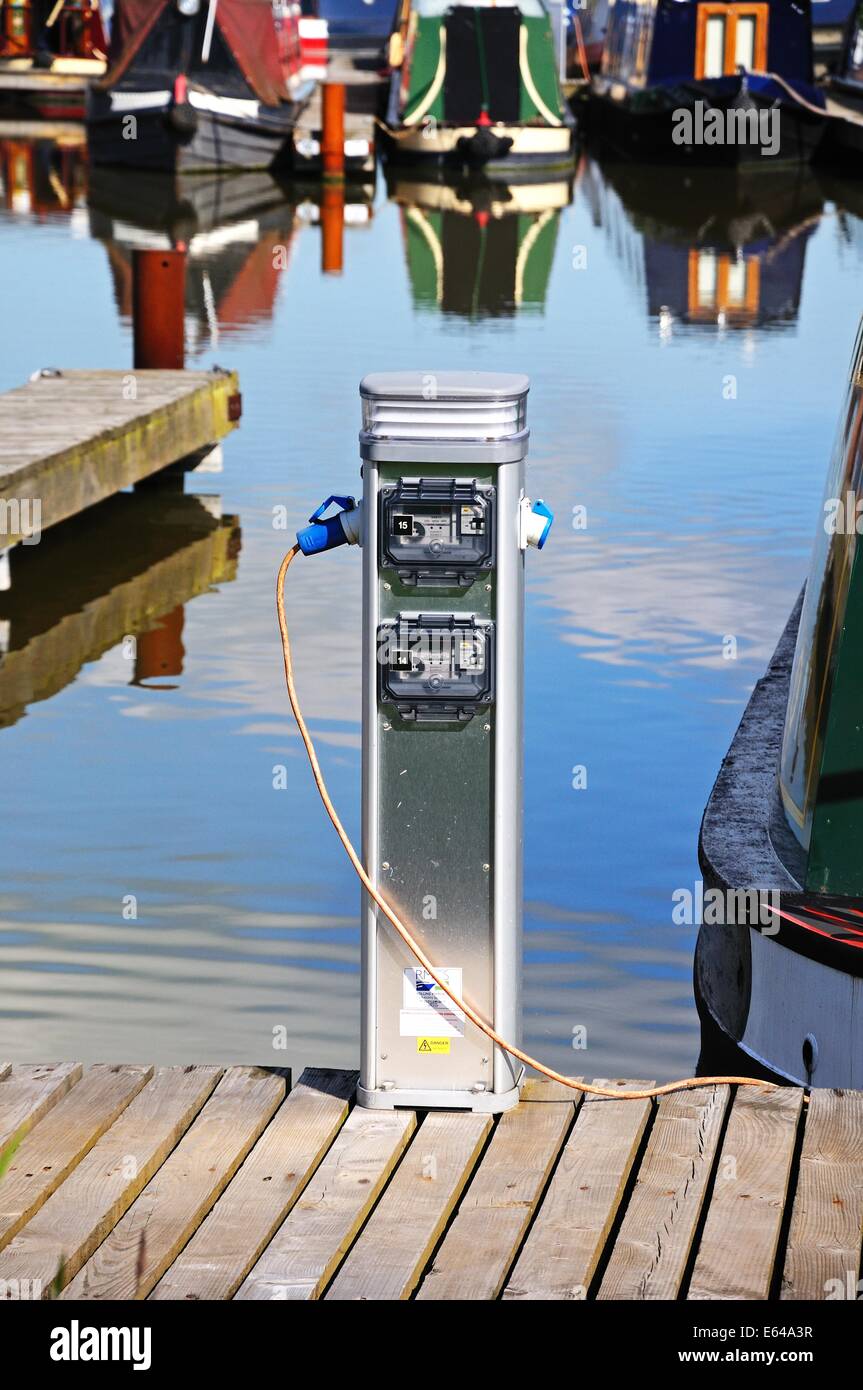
<point x="444" y="527"/>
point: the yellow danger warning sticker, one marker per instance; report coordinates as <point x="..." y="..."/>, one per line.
<point x="430" y="1045"/>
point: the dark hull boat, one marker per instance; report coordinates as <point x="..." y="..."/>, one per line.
<point x="716" y="85"/>
<point x="197" y="89"/>
<point x="779" y="960"/>
<point x="844" y="142"/>
<point x="474" y="87"/>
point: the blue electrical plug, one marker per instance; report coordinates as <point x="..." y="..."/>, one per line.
<point x="325" y="533"/>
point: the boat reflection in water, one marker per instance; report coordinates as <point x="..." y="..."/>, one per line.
<point x="480" y="248"/>
<point x="122" y="570"/>
<point x="714" y="249"/>
<point x="43" y="178"/>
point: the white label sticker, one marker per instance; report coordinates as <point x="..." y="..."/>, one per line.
<point x="426" y="1010"/>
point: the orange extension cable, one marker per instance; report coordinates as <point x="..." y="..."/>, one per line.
<point x="690" y="1083"/>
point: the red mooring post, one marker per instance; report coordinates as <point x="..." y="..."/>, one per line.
<point x="332" y="228"/>
<point x="333" y="138"/>
<point x="158" y="308"/>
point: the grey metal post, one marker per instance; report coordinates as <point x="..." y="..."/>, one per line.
<point x="445" y="524"/>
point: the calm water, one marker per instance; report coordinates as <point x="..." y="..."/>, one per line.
<point x="687" y="354"/>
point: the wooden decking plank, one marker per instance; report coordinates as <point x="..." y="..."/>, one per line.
<point x="74" y="439"/>
<point x="737" y="1251"/>
<point x="229" y="1241"/>
<point x="306" y="1250"/>
<point x="28" y="1092"/>
<point x="76" y="1218"/>
<point x="64" y="1136"/>
<point x="569" y="1234"/>
<point x="393" y="1249"/>
<point x="827" y="1215"/>
<point x="655" y="1238"/>
<point x="142" y="1245"/>
<point x="494" y="1213"/>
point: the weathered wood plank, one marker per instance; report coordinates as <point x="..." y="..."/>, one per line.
<point x="142" y="1245"/>
<point x="300" y="1260"/>
<point x="737" y="1251"/>
<point x="823" y="1253"/>
<point x="567" y="1239"/>
<point x="653" y="1244"/>
<point x="28" y="1092"/>
<point x="70" y="441"/>
<point x="224" y="1248"/>
<point x="62" y="1138"/>
<point x="494" y="1214"/>
<point x="401" y="1233"/>
<point x="76" y="1218"/>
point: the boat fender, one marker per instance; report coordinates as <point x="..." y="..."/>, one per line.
<point x="482" y="146"/>
<point x="182" y="116"/>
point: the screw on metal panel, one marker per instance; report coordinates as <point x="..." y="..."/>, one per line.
<point x="486" y="868"/>
<point x="478" y="1086"/>
<point x="486" y="728"/>
<point x="485" y="1061"/>
<point x="488" y="588"/>
<point x="387" y="1086"/>
<point x="384" y="1056"/>
<point x="387" y="586"/>
<point x="387" y="726"/>
<point x="385" y="864"/>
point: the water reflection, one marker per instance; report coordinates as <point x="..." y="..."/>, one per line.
<point x="156" y="775"/>
<point x="712" y="249"/>
<point x="479" y="248"/>
<point x="120" y="573"/>
<point x="43" y="177"/>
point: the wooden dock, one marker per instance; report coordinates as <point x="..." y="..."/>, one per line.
<point x="69" y="439"/>
<point x="198" y="1183"/>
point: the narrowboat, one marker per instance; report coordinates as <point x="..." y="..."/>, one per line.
<point x="779" y="957"/>
<point x="696" y="82"/>
<point x="715" y="250"/>
<point x="198" y="86"/>
<point x="480" y="249"/>
<point x="49" y="52"/>
<point x="475" y="87"/>
<point x="844" y="142"/>
<point x="830" y="19"/>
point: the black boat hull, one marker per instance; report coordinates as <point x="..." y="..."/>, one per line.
<point x="622" y="128"/>
<point x="218" y="142"/>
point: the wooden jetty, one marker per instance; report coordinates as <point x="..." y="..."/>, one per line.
<point x="69" y="439"/>
<point x="198" y="1183"/>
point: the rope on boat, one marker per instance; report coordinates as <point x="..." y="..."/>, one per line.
<point x="687" y="1084"/>
<point x="774" y="76"/>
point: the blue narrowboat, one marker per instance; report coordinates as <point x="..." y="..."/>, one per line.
<point x="707" y="83"/>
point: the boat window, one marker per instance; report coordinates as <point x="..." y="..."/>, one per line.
<point x="744" y="42"/>
<point x="729" y="37"/>
<point x="714" y="47"/>
<point x="706" y="281"/>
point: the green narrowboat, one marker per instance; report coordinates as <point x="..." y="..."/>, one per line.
<point x="476" y="87"/>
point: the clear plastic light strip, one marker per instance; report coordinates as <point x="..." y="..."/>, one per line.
<point x="443" y="419"/>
